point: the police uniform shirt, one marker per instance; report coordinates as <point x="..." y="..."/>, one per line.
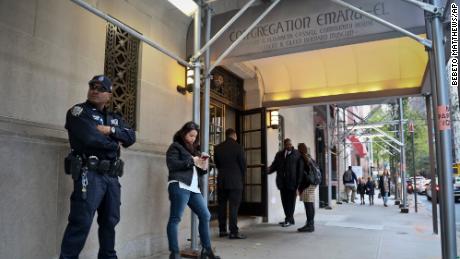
<point x="85" y="139"/>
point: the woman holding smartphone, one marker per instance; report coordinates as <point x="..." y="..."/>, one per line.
<point x="185" y="164"/>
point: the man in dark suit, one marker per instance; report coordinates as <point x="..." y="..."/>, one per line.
<point x="286" y="165"/>
<point x="231" y="165"/>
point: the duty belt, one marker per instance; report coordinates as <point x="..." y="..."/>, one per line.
<point x="111" y="168"/>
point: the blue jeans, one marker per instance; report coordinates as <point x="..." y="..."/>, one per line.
<point x="385" y="198"/>
<point x="179" y="198"/>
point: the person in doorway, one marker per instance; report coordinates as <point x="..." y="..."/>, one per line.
<point x="186" y="164"/>
<point x="349" y="179"/>
<point x="361" y="190"/>
<point x="306" y="190"/>
<point x="319" y="136"/>
<point x="231" y="165"/>
<point x="95" y="136"/>
<point x="285" y="165"/>
<point x="370" y="190"/>
<point x="384" y="186"/>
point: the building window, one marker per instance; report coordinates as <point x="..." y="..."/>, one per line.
<point x="121" y="66"/>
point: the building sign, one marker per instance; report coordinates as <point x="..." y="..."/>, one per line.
<point x="301" y="25"/>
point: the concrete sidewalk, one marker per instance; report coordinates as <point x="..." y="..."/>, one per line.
<point x="348" y="231"/>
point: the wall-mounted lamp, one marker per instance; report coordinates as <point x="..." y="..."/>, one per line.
<point x="189" y="81"/>
<point x="274" y="121"/>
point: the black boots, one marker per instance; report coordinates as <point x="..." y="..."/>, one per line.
<point x="236" y="236"/>
<point x="205" y="254"/>
<point x="310" y="225"/>
<point x="208" y="254"/>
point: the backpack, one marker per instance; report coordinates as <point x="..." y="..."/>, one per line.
<point x="314" y="173"/>
<point x="348" y="176"/>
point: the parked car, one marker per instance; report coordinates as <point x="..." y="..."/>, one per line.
<point x="429" y="194"/>
<point x="420" y="184"/>
<point x="456" y="188"/>
<point x="409" y="186"/>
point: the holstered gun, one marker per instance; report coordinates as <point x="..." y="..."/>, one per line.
<point x="72" y="165"/>
<point x="118" y="166"/>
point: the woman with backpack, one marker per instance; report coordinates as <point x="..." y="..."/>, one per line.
<point x="306" y="188"/>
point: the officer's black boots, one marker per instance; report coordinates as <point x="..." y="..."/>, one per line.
<point x="208" y="254"/>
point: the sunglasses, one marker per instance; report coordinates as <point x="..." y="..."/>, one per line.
<point x="98" y="88"/>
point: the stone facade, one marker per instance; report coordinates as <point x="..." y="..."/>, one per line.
<point x="49" y="49"/>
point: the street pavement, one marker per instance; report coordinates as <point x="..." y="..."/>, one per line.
<point x="348" y="231"/>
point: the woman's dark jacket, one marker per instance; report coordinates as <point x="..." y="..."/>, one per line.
<point x="361" y="188"/>
<point x="381" y="185"/>
<point x="180" y="164"/>
<point x="370" y="187"/>
<point x="304" y="169"/>
<point x="302" y="180"/>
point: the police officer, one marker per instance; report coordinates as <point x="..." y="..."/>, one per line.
<point x="95" y="136"/>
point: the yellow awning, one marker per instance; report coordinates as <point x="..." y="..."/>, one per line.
<point x="383" y="68"/>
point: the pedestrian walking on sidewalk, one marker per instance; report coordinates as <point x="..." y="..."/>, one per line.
<point x="306" y="189"/>
<point x="370" y="190"/>
<point x="361" y="189"/>
<point x="349" y="179"/>
<point x="384" y="186"/>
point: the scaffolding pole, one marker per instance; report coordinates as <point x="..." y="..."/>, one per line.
<point x="243" y="35"/>
<point x="402" y="163"/>
<point x="434" y="195"/>
<point x="337" y="156"/>
<point x="434" y="104"/>
<point x="196" y="108"/>
<point x="344" y="144"/>
<point x="129" y="30"/>
<point x="222" y="30"/>
<point x="206" y="103"/>
<point x="449" y="244"/>
<point x="423" y="41"/>
<point x="328" y="157"/>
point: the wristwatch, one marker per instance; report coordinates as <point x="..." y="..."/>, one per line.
<point x="112" y="130"/>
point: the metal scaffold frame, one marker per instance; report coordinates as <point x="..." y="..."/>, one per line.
<point x="434" y="45"/>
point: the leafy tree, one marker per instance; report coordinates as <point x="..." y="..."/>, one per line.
<point x="418" y="116"/>
<point x="422" y="158"/>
